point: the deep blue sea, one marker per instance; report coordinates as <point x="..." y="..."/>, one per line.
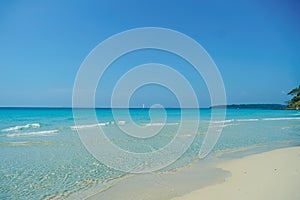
<point x="42" y="156"/>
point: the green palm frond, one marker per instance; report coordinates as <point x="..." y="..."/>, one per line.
<point x="295" y="101"/>
<point x="294" y="91"/>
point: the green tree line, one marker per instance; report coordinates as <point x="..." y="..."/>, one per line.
<point x="295" y="101"/>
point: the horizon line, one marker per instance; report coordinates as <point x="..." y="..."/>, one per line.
<point x="70" y="107"/>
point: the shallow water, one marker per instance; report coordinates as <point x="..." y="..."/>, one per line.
<point x="42" y="156"/>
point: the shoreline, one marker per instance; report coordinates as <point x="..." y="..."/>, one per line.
<point x="178" y="183"/>
<point x="269" y="175"/>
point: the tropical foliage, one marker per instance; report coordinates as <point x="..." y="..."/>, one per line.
<point x="295" y="101"/>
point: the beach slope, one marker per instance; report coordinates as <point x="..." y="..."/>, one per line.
<point x="268" y="176"/>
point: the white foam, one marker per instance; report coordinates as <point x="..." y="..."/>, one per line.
<point x="255" y="119"/>
<point x="88" y="126"/>
<point x="155" y="124"/>
<point x="222" y="121"/>
<point x="37" y="133"/>
<point x="246" y="120"/>
<point x="161" y="124"/>
<point x="121" y="122"/>
<point x="281" y="118"/>
<point x="220" y="125"/>
<point x="16" y="128"/>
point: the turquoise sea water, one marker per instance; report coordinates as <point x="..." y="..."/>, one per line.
<point x="42" y="156"/>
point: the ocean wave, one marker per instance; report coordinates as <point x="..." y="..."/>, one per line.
<point x="222" y="121"/>
<point x="161" y="124"/>
<point x="281" y="118"/>
<point x="121" y="123"/>
<point x="16" y="128"/>
<point x="215" y="125"/>
<point x="99" y="124"/>
<point x="113" y="122"/>
<point x="87" y="126"/>
<point x="37" y="133"/>
<point x="256" y="119"/>
<point x="297" y="114"/>
<point x="247" y="120"/>
<point x="25" y="143"/>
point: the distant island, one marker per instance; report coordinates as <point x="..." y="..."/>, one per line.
<point x="253" y="106"/>
<point x="293" y="104"/>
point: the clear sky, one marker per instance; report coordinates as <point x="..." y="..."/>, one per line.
<point x="255" y="44"/>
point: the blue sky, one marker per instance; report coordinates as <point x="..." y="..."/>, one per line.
<point x="255" y="45"/>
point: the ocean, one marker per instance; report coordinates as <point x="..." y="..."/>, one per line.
<point x="43" y="157"/>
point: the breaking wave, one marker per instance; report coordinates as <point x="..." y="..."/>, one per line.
<point x="247" y="120"/>
<point x="95" y="125"/>
<point x="37" y="133"/>
<point x="87" y="126"/>
<point x="161" y="124"/>
<point x="16" y="128"/>
<point x="281" y="118"/>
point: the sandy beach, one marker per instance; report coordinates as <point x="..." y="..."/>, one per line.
<point x="269" y="175"/>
